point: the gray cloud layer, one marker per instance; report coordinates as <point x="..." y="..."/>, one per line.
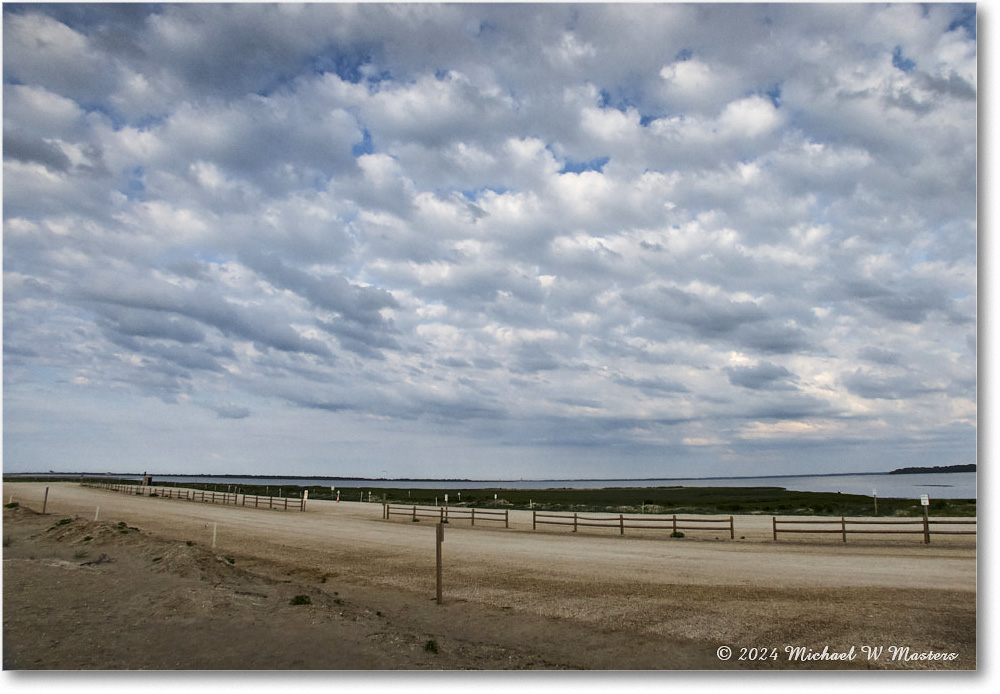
<point x="513" y="240"/>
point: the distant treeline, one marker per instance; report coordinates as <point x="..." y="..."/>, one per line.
<point x="970" y="467"/>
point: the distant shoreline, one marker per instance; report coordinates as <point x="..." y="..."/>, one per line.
<point x="971" y="467"/>
<point x="156" y="475"/>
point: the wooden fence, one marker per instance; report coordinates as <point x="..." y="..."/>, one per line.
<point x="234" y="499"/>
<point x="445" y="514"/>
<point x="673" y="523"/>
<point x="845" y="527"/>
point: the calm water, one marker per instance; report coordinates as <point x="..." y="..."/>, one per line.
<point x="951" y="485"/>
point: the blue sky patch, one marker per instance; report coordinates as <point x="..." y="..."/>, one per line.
<point x="595" y="164"/>
<point x="900" y="62"/>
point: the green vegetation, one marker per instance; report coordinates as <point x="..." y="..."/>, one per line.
<point x="60" y="522"/>
<point x="431" y="646"/>
<point x="680" y="500"/>
<point x="12" y="504"/>
<point x="300" y="600"/>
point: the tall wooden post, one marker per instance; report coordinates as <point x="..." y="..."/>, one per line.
<point x="925" y="502"/>
<point x="843" y="528"/>
<point x="774" y="527"/>
<point x="440" y="539"/>
<point x="45" y="501"/>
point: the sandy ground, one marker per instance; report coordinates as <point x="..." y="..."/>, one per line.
<point x="148" y="591"/>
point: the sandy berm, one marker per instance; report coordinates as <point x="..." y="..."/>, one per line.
<point x="143" y="588"/>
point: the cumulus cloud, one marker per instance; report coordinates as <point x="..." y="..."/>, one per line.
<point x="492" y="240"/>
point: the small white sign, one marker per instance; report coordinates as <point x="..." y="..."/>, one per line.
<point x="925" y="500"/>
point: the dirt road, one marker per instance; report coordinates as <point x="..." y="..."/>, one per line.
<point x="514" y="598"/>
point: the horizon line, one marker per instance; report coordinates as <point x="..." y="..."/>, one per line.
<point x="465" y="479"/>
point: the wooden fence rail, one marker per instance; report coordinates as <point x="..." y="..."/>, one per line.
<point x="673" y="523"/>
<point x="206" y="497"/>
<point x="925" y="527"/>
<point x="445" y="514"/>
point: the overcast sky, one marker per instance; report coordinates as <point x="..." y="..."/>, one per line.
<point x="489" y="241"/>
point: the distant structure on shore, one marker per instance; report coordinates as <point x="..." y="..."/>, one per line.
<point x="970" y="467"/>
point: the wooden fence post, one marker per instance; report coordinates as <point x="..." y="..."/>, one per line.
<point x="440" y="539"/>
<point x="574" y="522"/>
<point x="473" y="516"/>
<point x="675" y="524"/>
<point x="45" y="502"/>
<point x="414" y="514"/>
<point x="774" y="526"/>
<point x="843" y="528"/>
<point x="533" y="514"/>
<point x="506" y="518"/>
<point x="927" y="528"/>
<point x="732" y="529"/>
<point x="621" y="522"/>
